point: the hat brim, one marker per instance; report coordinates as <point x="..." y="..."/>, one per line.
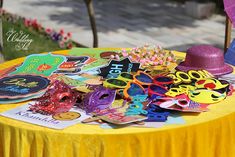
<point x="226" y="69"/>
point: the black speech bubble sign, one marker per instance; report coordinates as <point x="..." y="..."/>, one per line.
<point x="115" y="67"/>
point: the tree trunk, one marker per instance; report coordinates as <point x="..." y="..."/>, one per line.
<point x="1" y="35"/>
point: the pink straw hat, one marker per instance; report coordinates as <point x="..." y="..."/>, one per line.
<point x="205" y="57"/>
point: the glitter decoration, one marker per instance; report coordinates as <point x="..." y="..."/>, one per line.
<point x="57" y="99"/>
<point x="101" y="98"/>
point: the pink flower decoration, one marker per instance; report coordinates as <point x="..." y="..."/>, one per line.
<point x="48" y="30"/>
<point x="26" y="22"/>
<point x="61" y="44"/>
<point x="69" y="34"/>
<point x="70" y="45"/>
<point x="61" y="31"/>
<point x="65" y="38"/>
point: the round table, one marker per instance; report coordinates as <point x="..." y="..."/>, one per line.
<point x="207" y="134"/>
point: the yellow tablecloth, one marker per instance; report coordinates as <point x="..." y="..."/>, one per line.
<point x="209" y="134"/>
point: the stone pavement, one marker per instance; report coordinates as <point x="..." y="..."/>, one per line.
<point x="125" y="23"/>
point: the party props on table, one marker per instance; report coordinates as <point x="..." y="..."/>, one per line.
<point x="136" y="106"/>
<point x="229" y="56"/>
<point x="4" y="72"/>
<point x="209" y="90"/>
<point x="73" y="65"/>
<point x="110" y="55"/>
<point x="180" y="103"/>
<point x="211" y="83"/>
<point x="119" y="106"/>
<point x="40" y="64"/>
<point x="21" y="86"/>
<point x="133" y="84"/>
<point x="114" y="68"/>
<point x="157" y="70"/>
<point x="57" y="99"/>
<point x="99" y="99"/>
<point x="181" y="77"/>
<point x="180" y="89"/>
<point x="69" y="81"/>
<point x="207" y="96"/>
<point x="155" y="89"/>
<point x="132" y="89"/>
<point x="56" y="121"/>
<point x="16" y="100"/>
<point x="156" y="114"/>
<point x="120" y="118"/>
<point x="149" y="55"/>
<point x="97" y="57"/>
<point x="121" y="81"/>
<point x="229" y="6"/>
<point x="205" y="57"/>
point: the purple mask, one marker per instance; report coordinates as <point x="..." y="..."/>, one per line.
<point x="99" y="99"/>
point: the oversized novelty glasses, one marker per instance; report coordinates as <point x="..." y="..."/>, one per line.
<point x="121" y="81"/>
<point x="140" y="78"/>
<point x="135" y="86"/>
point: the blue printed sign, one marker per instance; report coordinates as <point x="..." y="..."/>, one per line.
<point x="20" y="86"/>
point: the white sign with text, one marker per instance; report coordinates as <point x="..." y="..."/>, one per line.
<point x="58" y="121"/>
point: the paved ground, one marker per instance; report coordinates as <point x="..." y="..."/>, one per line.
<point x="125" y="23"/>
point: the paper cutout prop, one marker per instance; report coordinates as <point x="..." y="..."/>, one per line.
<point x="58" y="121"/>
<point x="21" y="86"/>
<point x="95" y="61"/>
<point x="207" y="96"/>
<point x="181" y="77"/>
<point x="229" y="56"/>
<point x="120" y="118"/>
<point x="40" y="64"/>
<point x="136" y="107"/>
<point x="156" y="114"/>
<point x="210" y="83"/>
<point x="181" y="103"/>
<point x="6" y="71"/>
<point x="229" y="6"/>
<point x="133" y="89"/>
<point x="16" y="100"/>
<point x="118" y="106"/>
<point x="209" y="91"/>
<point x="69" y="81"/>
<point x="114" y="68"/>
<point x="73" y="65"/>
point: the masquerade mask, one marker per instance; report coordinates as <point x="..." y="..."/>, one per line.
<point x="58" y="98"/>
<point x="99" y="99"/>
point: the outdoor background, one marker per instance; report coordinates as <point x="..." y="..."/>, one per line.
<point x="121" y="23"/>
